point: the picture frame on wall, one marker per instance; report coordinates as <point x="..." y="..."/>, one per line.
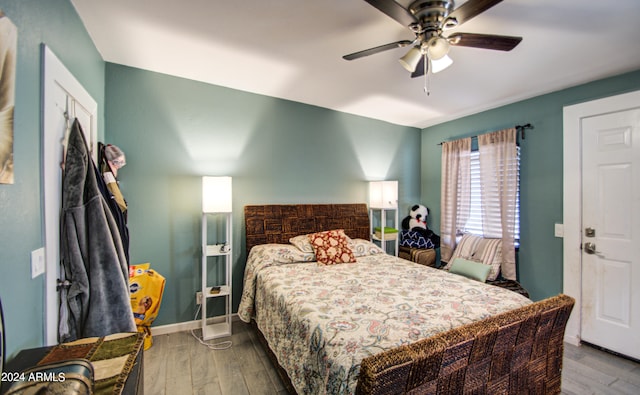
<point x="8" y="52"/>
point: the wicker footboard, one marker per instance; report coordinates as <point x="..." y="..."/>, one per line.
<point x="514" y="352"/>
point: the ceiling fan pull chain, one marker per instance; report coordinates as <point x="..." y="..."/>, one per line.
<point x="426" y="76"/>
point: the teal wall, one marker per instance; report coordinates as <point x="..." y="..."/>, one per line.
<point x="174" y="131"/>
<point x="55" y="23"/>
<point x="540" y="255"/>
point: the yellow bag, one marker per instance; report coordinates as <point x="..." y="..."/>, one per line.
<point x="136" y="270"/>
<point x="146" y="287"/>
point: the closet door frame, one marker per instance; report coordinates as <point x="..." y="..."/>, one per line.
<point x="63" y="99"/>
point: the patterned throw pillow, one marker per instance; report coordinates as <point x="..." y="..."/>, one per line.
<point x="413" y="239"/>
<point x="331" y="247"/>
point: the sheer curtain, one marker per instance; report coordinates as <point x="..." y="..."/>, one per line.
<point x="499" y="175"/>
<point x="455" y="196"/>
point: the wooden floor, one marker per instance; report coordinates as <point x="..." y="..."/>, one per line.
<point x="179" y="364"/>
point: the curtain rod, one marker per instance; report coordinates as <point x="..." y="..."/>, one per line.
<point x="519" y="129"/>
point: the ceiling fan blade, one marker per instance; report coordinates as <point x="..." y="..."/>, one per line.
<point x="394" y="10"/>
<point x="486" y="41"/>
<point x="471" y="9"/>
<point x="419" y="69"/>
<point x="375" y="50"/>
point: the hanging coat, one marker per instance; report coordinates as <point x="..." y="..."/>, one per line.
<point x="97" y="300"/>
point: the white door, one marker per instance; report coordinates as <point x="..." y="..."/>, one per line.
<point x="63" y="100"/>
<point x="611" y="231"/>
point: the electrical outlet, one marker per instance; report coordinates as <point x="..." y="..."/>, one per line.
<point x="198" y="297"/>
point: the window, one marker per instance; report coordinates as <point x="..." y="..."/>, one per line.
<point x="474" y="223"/>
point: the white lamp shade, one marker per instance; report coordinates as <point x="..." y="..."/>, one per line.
<point x="437" y="48"/>
<point x="411" y="59"/>
<point x="441" y="64"/>
<point x="383" y="194"/>
<point x="216" y="194"/>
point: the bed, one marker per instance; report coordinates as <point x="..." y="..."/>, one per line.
<point x="386" y="325"/>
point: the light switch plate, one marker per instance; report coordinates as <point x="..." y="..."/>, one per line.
<point x="37" y="262"/>
<point x="559" y="230"/>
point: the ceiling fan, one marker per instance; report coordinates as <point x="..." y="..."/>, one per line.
<point x="428" y="20"/>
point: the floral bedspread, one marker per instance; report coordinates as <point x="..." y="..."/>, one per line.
<point x="321" y="321"/>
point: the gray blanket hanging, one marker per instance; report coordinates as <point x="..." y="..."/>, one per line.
<point x="97" y="301"/>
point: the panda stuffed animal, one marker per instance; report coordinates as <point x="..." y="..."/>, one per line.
<point x="418" y="214"/>
<point x="417" y="221"/>
<point x="417" y="217"/>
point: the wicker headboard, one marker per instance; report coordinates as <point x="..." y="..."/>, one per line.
<point x="277" y="223"/>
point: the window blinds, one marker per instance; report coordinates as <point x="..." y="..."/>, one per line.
<point x="473" y="224"/>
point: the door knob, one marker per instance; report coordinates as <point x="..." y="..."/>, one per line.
<point x="590" y="248"/>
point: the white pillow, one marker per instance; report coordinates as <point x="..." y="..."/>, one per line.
<point x="362" y="247"/>
<point x="302" y="242"/>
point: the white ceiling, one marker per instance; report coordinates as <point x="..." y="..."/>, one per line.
<point x="292" y="49"/>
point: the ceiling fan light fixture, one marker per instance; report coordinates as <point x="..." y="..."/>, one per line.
<point x="438" y="65"/>
<point x="437" y="48"/>
<point x="411" y="59"/>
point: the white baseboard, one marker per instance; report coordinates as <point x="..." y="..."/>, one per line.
<point x="574" y="340"/>
<point x="187" y="325"/>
